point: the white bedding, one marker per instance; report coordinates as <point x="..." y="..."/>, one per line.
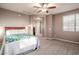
<point x="21" y="46"/>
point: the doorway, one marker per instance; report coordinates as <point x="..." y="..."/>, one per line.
<point x="38" y="27"/>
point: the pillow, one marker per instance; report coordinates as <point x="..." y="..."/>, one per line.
<point x="27" y="31"/>
<point x="9" y="32"/>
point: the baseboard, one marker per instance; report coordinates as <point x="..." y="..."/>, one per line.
<point x="62" y="40"/>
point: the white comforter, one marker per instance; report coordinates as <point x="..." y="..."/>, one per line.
<point x="21" y="46"/>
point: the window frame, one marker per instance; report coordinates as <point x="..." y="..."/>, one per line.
<point x="63" y="23"/>
<point x="75" y="23"/>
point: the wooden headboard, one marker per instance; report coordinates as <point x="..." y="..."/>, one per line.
<point x="11" y="28"/>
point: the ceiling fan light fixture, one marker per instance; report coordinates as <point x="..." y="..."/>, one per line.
<point x="44" y="10"/>
<point x="45" y="6"/>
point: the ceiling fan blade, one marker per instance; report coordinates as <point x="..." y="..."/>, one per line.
<point x="35" y="10"/>
<point x="51" y="7"/>
<point x="36" y="6"/>
<point x="39" y="11"/>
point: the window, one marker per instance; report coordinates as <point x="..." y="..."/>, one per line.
<point x="71" y="22"/>
<point x="68" y="23"/>
<point x="77" y="22"/>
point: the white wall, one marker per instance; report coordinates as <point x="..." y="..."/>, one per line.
<point x="10" y="18"/>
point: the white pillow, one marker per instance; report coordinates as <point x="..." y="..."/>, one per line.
<point x="22" y="31"/>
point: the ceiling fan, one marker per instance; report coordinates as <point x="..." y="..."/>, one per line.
<point x="44" y="7"/>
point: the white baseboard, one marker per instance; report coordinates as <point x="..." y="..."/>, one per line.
<point x="62" y="40"/>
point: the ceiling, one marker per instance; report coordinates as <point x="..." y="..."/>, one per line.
<point x="28" y="9"/>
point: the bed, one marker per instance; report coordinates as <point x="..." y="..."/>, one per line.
<point x="1" y="43"/>
<point x="17" y="41"/>
<point x="1" y="39"/>
<point x="0" y="46"/>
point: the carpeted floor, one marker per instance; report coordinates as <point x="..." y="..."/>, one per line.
<point x="54" y="47"/>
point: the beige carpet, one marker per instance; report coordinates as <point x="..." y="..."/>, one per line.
<point x="54" y="47"/>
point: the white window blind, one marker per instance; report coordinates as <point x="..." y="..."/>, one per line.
<point x="77" y="22"/>
<point x="68" y="23"/>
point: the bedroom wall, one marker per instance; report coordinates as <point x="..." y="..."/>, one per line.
<point x="49" y="26"/>
<point x="10" y="18"/>
<point x="59" y="33"/>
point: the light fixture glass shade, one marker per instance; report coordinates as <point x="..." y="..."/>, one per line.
<point x="44" y="10"/>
